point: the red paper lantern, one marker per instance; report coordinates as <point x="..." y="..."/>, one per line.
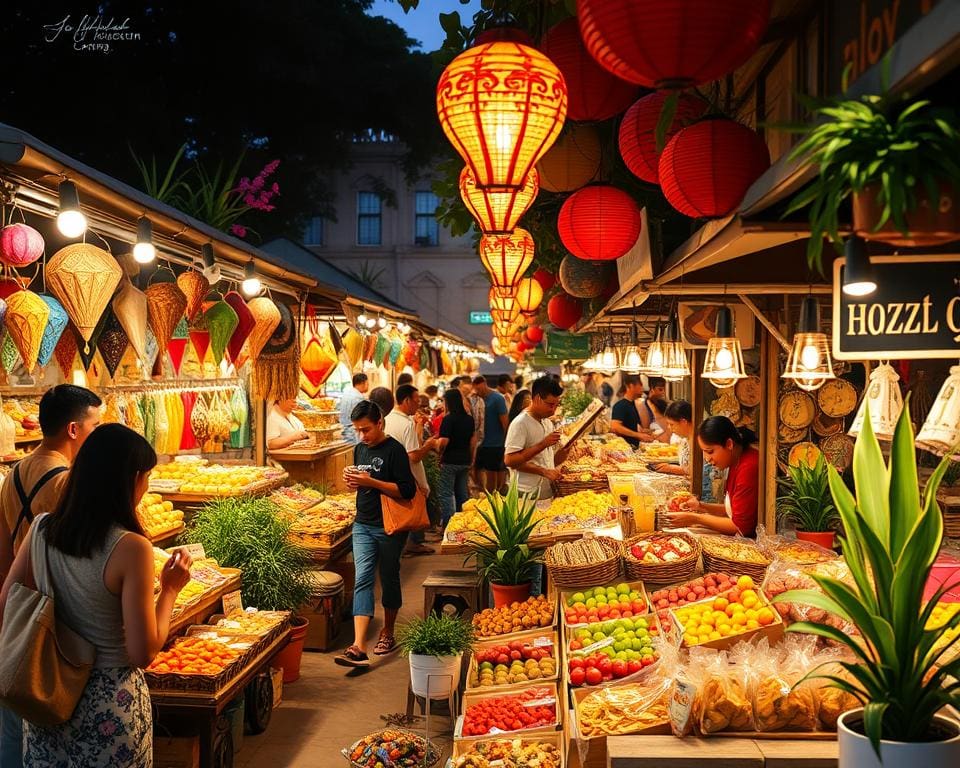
<point x="564" y="311"/>
<point x="707" y="168"/>
<point x="599" y="222"/>
<point x="498" y="210"/>
<point x="593" y="93"/>
<point x="20" y="245"/>
<point x="672" y="44"/>
<point x="11" y="285"/>
<point x="535" y="334"/>
<point x="522" y="346"/>
<point x="637" y="140"/>
<point x="546" y="279"/>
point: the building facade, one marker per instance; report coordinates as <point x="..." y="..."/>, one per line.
<point x="387" y="234"/>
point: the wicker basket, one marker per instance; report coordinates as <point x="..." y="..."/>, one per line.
<point x="716" y="563"/>
<point x="567" y="486"/>
<point x="593" y="574"/>
<point x="661" y="573"/>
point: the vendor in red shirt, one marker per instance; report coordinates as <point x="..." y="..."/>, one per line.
<point x="726" y="447"/>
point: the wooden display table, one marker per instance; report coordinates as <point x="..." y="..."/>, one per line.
<point x="671" y="752"/>
<point x="321" y="464"/>
<point x="206" y="606"/>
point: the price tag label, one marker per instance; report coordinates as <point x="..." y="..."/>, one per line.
<point x="196" y="551"/>
<point x="543" y="642"/>
<point x="594" y="647"/>
<point x="232" y="602"/>
<point x="544" y="702"/>
<point x="681" y="704"/>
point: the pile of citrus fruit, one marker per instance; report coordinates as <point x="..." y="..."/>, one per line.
<point x="194" y="656"/>
<point x="735" y="612"/>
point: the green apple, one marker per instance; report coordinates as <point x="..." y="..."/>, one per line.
<point x="641" y="623"/>
<point x="623" y="588"/>
<point x="609" y="651"/>
<point x="618" y="645"/>
<point x="609" y="627"/>
<point x="634" y="595"/>
<point x="576" y="597"/>
<point x="598" y="636"/>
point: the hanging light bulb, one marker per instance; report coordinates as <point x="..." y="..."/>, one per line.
<point x="251" y="283"/>
<point x="609" y="361"/>
<point x="143" y="250"/>
<point x="370" y="322"/>
<point x="724" y="362"/>
<point x="654" y="361"/>
<point x="211" y="270"/>
<point x="362" y="318"/>
<point x="858" y="276"/>
<point x="70" y="220"/>
<point x="632" y="359"/>
<point x="810" y="363"/>
<point x="675" y="365"/>
<point x="381" y="322"/>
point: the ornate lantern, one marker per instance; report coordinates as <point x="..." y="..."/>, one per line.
<point x="83" y="278"/>
<point x="20" y="245"/>
<point x="599" y="222"/>
<point x="130" y="307"/>
<point x="585" y="279"/>
<point x="884" y="400"/>
<point x="529" y="296"/>
<point x="810" y="363"/>
<point x="638" y="131"/>
<point x="57" y="322"/>
<point x="506" y="258"/>
<point x="27" y="315"/>
<point x="498" y="210"/>
<point x="501" y="105"/>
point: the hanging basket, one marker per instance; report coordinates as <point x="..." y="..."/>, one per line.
<point x="195" y="287"/>
<point x="929" y="223"/>
<point x="83" y="278"/>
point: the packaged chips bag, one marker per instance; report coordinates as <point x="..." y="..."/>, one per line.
<point x="782" y="699"/>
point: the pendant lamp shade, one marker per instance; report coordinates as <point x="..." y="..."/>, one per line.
<point x="112" y="343"/>
<point x="83" y="279"/>
<point x="810" y="363"/>
<point x="723" y="365"/>
<point x="599" y="222"/>
<point x="9" y="357"/>
<point x="194" y="286"/>
<point x="266" y="318"/>
<point x="221" y="320"/>
<point x="940" y="433"/>
<point x="177" y="344"/>
<point x="57" y="321"/>
<point x="858" y="275"/>
<point x="130" y="307"/>
<point x="245" y="323"/>
<point x="20" y="245"/>
<point x="675" y="365"/>
<point x="529" y="296"/>
<point x="585" y="279"/>
<point x="632" y="358"/>
<point x="883" y="401"/>
<point x="27" y="315"/>
<point x="506" y="258"/>
<point x="165" y="307"/>
<point x="653" y="362"/>
<point x="501" y="105"/>
<point x="65" y="353"/>
<point x="497" y="210"/>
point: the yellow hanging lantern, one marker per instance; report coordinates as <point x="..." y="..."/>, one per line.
<point x="266" y="318"/>
<point x="529" y="296"/>
<point x="26" y="319"/>
<point x="506" y="258"/>
<point x="501" y="105"/>
<point x="83" y="278"/>
<point x="194" y="287"/>
<point x="130" y="307"/>
<point x="498" y="210"/>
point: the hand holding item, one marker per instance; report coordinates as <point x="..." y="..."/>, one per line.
<point x="691" y="505"/>
<point x="682" y="519"/>
<point x="551" y="474"/>
<point x="552" y="439"/>
<point x="358" y="479"/>
<point x="176" y="572"/>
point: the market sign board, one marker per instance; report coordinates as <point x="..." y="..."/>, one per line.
<point x="566" y="346"/>
<point x="481" y="318"/>
<point x="914" y="313"/>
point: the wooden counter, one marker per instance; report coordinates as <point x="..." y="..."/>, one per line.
<point x="671" y="752"/>
<point x="322" y="464"/>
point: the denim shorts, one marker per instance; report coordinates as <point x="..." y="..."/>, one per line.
<point x="373" y="549"/>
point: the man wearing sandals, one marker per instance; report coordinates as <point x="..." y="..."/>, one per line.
<point x="381" y="466"/>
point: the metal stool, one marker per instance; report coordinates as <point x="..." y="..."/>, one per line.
<point x="454" y="591"/>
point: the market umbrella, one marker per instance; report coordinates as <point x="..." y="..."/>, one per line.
<point x="222" y="321"/>
<point x="113" y="342"/>
<point x="26" y="320"/>
<point x="266" y="317"/>
<point x="245" y="323"/>
<point x="194" y="286"/>
<point x="56" y="323"/>
<point x="130" y="307"/>
<point x="83" y="278"/>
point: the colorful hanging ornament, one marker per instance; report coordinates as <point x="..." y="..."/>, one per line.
<point x="245" y="323"/>
<point x="353" y="343"/>
<point x="200" y="341"/>
<point x="26" y="320"/>
<point x="396" y="347"/>
<point x="87" y="355"/>
<point x="585" y="279"/>
<point x="20" y="245"/>
<point x="57" y="321"/>
<point x="221" y="320"/>
<point x="506" y="258"/>
<point x="165" y="307"/>
<point x="83" y="278"/>
<point x="177" y="344"/>
<point x="195" y="287"/>
<point x="381" y="350"/>
<point x="276" y="370"/>
<point x="317" y="356"/>
<point x="498" y="210"/>
<point x="266" y="317"/>
<point x="65" y="352"/>
<point x="11" y="285"/>
<point x="130" y="307"/>
<point x="9" y="357"/>
<point x="112" y="343"/>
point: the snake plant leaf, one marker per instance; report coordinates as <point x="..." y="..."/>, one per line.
<point x="873" y="721"/>
<point x="904" y="488"/>
<point x="868" y="468"/>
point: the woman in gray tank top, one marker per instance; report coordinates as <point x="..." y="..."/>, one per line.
<point x="101" y="570"/>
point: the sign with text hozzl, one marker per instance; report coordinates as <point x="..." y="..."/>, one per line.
<point x="914" y="313"/>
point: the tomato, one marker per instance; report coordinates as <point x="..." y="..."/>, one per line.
<point x="576" y="663"/>
<point x="593" y="676"/>
<point x="605" y="666"/>
<point x="634" y="666"/>
<point x="619" y="668"/>
<point x="577" y="676"/>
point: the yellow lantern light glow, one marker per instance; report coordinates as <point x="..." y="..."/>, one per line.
<point x="498" y="210"/>
<point x="506" y="258"/>
<point x="501" y="105"/>
<point x="529" y="296"/>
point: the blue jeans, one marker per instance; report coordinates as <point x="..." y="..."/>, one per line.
<point x="11" y="739"/>
<point x="453" y="489"/>
<point x="373" y="549"/>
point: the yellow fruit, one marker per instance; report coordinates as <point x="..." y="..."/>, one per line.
<point x="745" y="582"/>
<point x="753" y="624"/>
<point x="715" y="635"/>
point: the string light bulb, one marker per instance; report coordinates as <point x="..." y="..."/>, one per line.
<point x="810" y="363"/>
<point x="143" y="250"/>
<point x="723" y="365"/>
<point x="251" y="283"/>
<point x="70" y="220"/>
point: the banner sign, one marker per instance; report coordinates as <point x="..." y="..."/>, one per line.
<point x="481" y="318"/>
<point x="566" y="346"/>
<point x="914" y="313"/>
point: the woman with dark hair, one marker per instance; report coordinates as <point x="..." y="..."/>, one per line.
<point x="100" y="565"/>
<point x="725" y="446"/>
<point x="678" y="417"/>
<point x="521" y="401"/>
<point x="381" y="467"/>
<point x="458" y="438"/>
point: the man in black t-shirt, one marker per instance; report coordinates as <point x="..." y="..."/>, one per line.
<point x="381" y="467"/>
<point x="625" y="420"/>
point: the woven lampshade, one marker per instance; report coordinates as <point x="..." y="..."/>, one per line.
<point x="221" y="320"/>
<point x="884" y="400"/>
<point x="130" y="307"/>
<point x="194" y="286"/>
<point x="599" y="222"/>
<point x="9" y="357"/>
<point x="506" y="258"/>
<point x="88" y="351"/>
<point x="20" y="245"/>
<point x="27" y="316"/>
<point x="637" y="138"/>
<point x="83" y="278"/>
<point x="573" y="161"/>
<point x="498" y="210"/>
<point x="941" y="430"/>
<point x="112" y="343"/>
<point x="318" y="359"/>
<point x="585" y="279"/>
<point x="56" y="323"/>
<point x="177" y="344"/>
<point x="165" y="306"/>
<point x="65" y="353"/>
<point x="501" y="105"/>
<point x="3" y="311"/>
<point x="200" y="341"/>
<point x="266" y="318"/>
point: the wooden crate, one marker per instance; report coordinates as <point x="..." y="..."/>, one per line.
<point x="773" y="632"/>
<point x="531" y="637"/>
<point x="566" y="593"/>
<point x="554" y="738"/>
<point x="518" y="635"/>
<point x="474" y="696"/>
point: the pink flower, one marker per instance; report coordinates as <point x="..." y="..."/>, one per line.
<point x="238" y="229"/>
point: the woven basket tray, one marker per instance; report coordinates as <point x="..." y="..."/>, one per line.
<point x="568" y="486"/>
<point x="716" y="563"/>
<point x="604" y="572"/>
<point x="661" y="573"/>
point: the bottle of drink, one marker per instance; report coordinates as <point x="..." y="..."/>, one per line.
<point x="628" y="524"/>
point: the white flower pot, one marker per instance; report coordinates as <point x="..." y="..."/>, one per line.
<point x="434" y="677"/>
<point x="857" y="752"/>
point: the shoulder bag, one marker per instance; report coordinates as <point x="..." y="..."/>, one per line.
<point x="401" y="515"/>
<point x="45" y="665"/>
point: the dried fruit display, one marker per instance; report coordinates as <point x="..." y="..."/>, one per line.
<point x="513" y="753"/>
<point x="623" y="709"/>
<point x="194" y="656"/>
<point x="516" y="617"/>
<point x="203" y="479"/>
<point x="158" y="516"/>
<point x="515" y="662"/>
<point x="253" y="622"/>
<point x="392" y="748"/>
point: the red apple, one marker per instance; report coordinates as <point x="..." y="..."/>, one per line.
<point x="593" y="676"/>
<point x="577" y="676"/>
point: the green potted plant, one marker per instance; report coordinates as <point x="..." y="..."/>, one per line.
<point x="903" y="673"/>
<point x="807" y="502"/>
<point x="503" y="556"/>
<point x="435" y="646"/>
<point x="249" y="534"/>
<point x="898" y="161"/>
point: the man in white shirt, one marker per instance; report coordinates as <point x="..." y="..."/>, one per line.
<point x="283" y="428"/>
<point x="531" y="439"/>
<point x="351" y="398"/>
<point x="405" y="425"/>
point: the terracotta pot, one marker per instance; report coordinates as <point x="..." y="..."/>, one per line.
<point x="857" y="752"/>
<point x="928" y="224"/>
<point x="504" y="594"/>
<point x="821" y="538"/>
<point x="288" y="659"/>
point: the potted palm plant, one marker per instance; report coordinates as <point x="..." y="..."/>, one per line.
<point x="902" y="172"/>
<point x="906" y="667"/>
<point x="503" y="556"/>
<point x="435" y="645"/>
<point x="807" y="502"/>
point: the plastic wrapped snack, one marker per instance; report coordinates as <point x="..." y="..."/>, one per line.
<point x="832" y="701"/>
<point x="784" y="575"/>
<point x="780" y="701"/>
<point x="624" y="709"/>
<point x="710" y="695"/>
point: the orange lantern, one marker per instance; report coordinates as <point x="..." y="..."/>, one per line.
<point x="573" y="162"/>
<point x="529" y="295"/>
<point x="506" y="258"/>
<point x="497" y="210"/>
<point x="506" y="305"/>
<point x="501" y="105"/>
